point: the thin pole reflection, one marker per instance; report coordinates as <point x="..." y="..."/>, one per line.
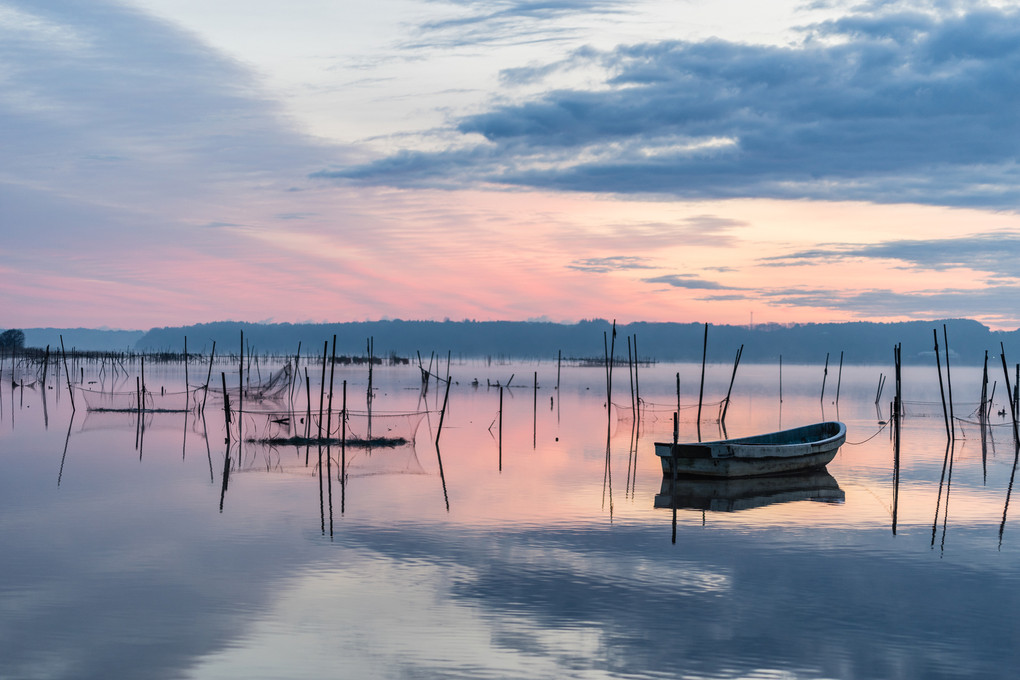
<point x="67" y="439"/>
<point x="944" y="481"/>
<point x="442" y="477"/>
<point x="1009" y="491"/>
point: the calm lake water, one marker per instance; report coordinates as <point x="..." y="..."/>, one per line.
<point x="537" y="552"/>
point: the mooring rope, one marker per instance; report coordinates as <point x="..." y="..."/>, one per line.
<point x="884" y="425"/>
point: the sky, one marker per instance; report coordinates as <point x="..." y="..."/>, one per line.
<point x="168" y="162"/>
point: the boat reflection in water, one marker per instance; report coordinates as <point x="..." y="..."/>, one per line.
<point x="732" y="495"/>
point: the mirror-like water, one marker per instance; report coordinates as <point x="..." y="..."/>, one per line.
<point x="527" y="545"/>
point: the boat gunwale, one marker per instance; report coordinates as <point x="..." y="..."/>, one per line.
<point x="760" y="447"/>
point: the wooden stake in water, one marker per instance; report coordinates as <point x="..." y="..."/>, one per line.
<point x="187" y="386"/>
<point x="240" y="395"/>
<point x="678" y="392"/>
<point x="500" y="428"/>
<point x="226" y="408"/>
<point x="949" y="384"/>
<point x="559" y="363"/>
<point x="308" y="406"/>
<point x="726" y="404"/>
<point x="984" y="389"/>
<point x="442" y="414"/>
<point x="1009" y="394"/>
<point x="1016" y="391"/>
<point x="329" y="410"/>
<point x="942" y="389"/>
<point x="825" y="375"/>
<point x="630" y="373"/>
<point x="322" y="386"/>
<point x="343" y="449"/>
<point x="701" y="390"/>
<point x="534" y="411"/>
<point x="208" y="375"/>
<point x="898" y="399"/>
<point x="637" y="381"/>
<point x="839" y="377"/>
<point x="67" y="374"/>
<point x="46" y="365"/>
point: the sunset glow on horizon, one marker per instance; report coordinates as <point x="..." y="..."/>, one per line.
<point x="170" y="164"/>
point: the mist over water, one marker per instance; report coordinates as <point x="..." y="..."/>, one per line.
<point x="527" y="544"/>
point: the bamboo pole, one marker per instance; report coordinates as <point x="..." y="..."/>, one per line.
<point x="322" y="391"/>
<point x="500" y="428"/>
<point x="949" y="384"/>
<point x="226" y="408"/>
<point x="942" y="390"/>
<point x="67" y="374"/>
<point x="329" y="411"/>
<point x="780" y="378"/>
<point x="637" y="379"/>
<point x="898" y="399"/>
<point x="534" y="410"/>
<point x="984" y="389"/>
<point x="678" y="391"/>
<point x="208" y="375"/>
<point x="839" y="376"/>
<point x="726" y="404"/>
<point x="1009" y="394"/>
<point x="240" y="395"/>
<point x="825" y="375"/>
<point x="343" y="445"/>
<point x="187" y="386"/>
<point x="701" y="390"/>
<point x="442" y="414"/>
<point x="559" y="364"/>
<point x="630" y="373"/>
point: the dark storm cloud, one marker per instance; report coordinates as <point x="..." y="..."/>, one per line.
<point x="888" y="106"/>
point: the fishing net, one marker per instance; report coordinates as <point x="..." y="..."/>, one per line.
<point x="656" y="412"/>
<point x="125" y="402"/>
<point x="292" y="427"/>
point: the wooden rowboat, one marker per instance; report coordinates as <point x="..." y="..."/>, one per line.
<point x="801" y="448"/>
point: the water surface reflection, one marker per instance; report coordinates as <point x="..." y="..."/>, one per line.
<point x="530" y="550"/>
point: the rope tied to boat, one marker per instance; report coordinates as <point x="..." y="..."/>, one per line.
<point x="884" y="425"/>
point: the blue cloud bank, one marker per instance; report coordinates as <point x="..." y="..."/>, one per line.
<point x="888" y="107"/>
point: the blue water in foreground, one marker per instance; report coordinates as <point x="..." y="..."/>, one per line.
<point x="531" y="549"/>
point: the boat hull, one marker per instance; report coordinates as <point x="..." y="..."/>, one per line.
<point x="776" y="453"/>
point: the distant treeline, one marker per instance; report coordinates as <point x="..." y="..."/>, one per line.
<point x="861" y="342"/>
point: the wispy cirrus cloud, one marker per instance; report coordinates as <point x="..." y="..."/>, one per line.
<point x="888" y="104"/>
<point x="998" y="254"/>
<point x="507" y="21"/>
<point x="600" y="265"/>
<point x="687" y="281"/>
<point x="993" y="304"/>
